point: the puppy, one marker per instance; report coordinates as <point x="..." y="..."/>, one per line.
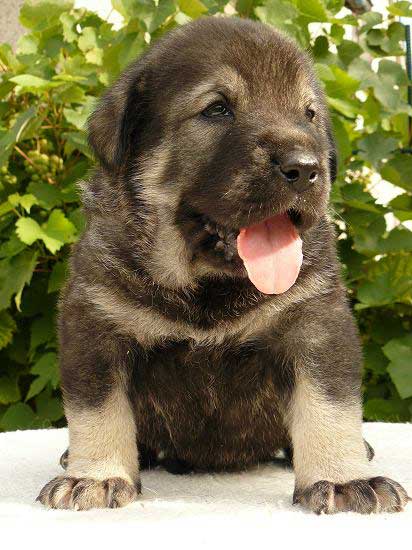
<point x="205" y="320"/>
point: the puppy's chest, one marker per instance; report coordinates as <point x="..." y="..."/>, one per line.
<point x="181" y="378"/>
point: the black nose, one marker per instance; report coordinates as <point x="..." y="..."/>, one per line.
<point x="300" y="170"/>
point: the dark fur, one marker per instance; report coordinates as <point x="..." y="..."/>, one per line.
<point x="210" y="385"/>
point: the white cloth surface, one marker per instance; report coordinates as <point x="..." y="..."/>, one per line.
<point x="229" y="510"/>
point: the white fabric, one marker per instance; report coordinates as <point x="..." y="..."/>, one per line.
<point x="243" y="510"/>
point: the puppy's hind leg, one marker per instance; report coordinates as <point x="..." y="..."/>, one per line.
<point x="64" y="459"/>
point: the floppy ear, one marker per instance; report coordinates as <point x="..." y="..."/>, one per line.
<point x="333" y="155"/>
<point x="116" y="118"/>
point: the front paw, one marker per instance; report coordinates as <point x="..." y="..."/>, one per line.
<point x="85" y="493"/>
<point x="365" y="496"/>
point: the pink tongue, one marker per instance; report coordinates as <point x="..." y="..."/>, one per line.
<point x="272" y="254"/>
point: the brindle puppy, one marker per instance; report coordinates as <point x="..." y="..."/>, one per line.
<point x="215" y="143"/>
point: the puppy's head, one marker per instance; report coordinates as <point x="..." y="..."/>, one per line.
<point x="220" y="127"/>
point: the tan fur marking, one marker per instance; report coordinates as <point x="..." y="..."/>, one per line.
<point x="149" y="327"/>
<point x="226" y="80"/>
<point x="103" y="441"/>
<point x="326" y="437"/>
<point x="169" y="259"/>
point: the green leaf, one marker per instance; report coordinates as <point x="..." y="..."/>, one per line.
<point x="78" y="117"/>
<point x="245" y="7"/>
<point x="192" y="8"/>
<point x="15" y="273"/>
<point x="31" y="82"/>
<point x="388" y="410"/>
<point x="127" y="8"/>
<point x="402" y="207"/>
<point x="342" y="139"/>
<point x="76" y="141"/>
<point x="28" y="230"/>
<point x="367" y="235"/>
<point x="19" y="417"/>
<point x="314" y="10"/>
<point x="374" y="358"/>
<point x="277" y="13"/>
<point x="5" y="208"/>
<point x="376" y="147"/>
<point x="69" y="21"/>
<point x="7" y="328"/>
<point x="384" y="326"/>
<point x="26" y="201"/>
<point x="398" y="240"/>
<point x="39" y="15"/>
<point x="42" y="331"/>
<point x="355" y="192"/>
<point x="348" y="51"/>
<point x="375" y="37"/>
<point x="78" y="220"/>
<point x="88" y="39"/>
<point x="399" y="351"/>
<point x="398" y="171"/>
<point x="48" y="196"/>
<point x="155" y="18"/>
<point x="58" y="227"/>
<point x="11" y="247"/>
<point x="370" y="18"/>
<point x="48" y="407"/>
<point x="347" y="108"/>
<point x="8" y="59"/>
<point x="386" y="86"/>
<point x="9" y="390"/>
<point x="404" y="9"/>
<point x="15" y="134"/>
<point x="57" y="277"/>
<point x="56" y="232"/>
<point x="342" y="86"/>
<point x="324" y="72"/>
<point x="390" y="281"/>
<point x="46" y="369"/>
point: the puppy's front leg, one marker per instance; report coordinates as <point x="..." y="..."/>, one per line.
<point x="330" y="459"/>
<point x="103" y="466"/>
<point x="102" y="469"/>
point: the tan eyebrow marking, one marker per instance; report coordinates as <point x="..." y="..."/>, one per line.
<point x="226" y="83"/>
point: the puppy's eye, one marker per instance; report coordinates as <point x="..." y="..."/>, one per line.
<point x="310" y="113"/>
<point x="217" y="110"/>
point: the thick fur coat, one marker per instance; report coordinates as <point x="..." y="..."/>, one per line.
<point x="167" y="349"/>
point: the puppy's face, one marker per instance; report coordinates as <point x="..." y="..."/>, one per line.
<point x="219" y="127"/>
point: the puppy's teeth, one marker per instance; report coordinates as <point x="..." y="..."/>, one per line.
<point x="231" y="239"/>
<point x="228" y="254"/>
<point x="210" y="229"/>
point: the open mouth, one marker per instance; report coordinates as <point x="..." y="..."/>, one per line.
<point x="225" y="238"/>
<point x="271" y="250"/>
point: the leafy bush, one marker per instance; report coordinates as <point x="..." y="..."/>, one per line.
<point x="48" y="89"/>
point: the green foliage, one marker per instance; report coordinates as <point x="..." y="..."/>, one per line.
<point x="47" y="90"/>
